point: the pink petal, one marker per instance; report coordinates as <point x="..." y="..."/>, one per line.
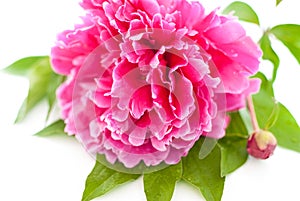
<point x="245" y="52"/>
<point x="225" y="33"/>
<point x="137" y="136"/>
<point x="238" y="101"/>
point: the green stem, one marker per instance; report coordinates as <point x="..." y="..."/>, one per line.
<point x="252" y="114"/>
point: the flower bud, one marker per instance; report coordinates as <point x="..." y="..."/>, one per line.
<point x="261" y="144"/>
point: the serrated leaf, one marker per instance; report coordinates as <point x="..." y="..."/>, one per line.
<point x="233" y="153"/>
<point x="243" y="11"/>
<point x="103" y="179"/>
<point x="205" y="173"/>
<point x="285" y="129"/>
<point x="288" y="34"/>
<point x="159" y="185"/>
<point x="269" y="53"/>
<point x="24" y="65"/>
<point x="56" y="128"/>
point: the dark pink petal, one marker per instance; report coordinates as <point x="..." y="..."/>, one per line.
<point x="123" y="69"/>
<point x="101" y="99"/>
<point x="141" y="101"/>
<point x="143" y="121"/>
<point x="176" y="60"/>
<point x="195" y="70"/>
<point x="160" y="97"/>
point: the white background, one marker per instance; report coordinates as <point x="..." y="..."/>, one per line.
<point x="55" y="168"/>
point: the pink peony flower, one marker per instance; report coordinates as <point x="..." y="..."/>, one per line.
<point x="147" y="78"/>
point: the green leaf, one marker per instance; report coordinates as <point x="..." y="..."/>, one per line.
<point x="233" y="153"/>
<point x="205" y="173"/>
<point x="285" y="129"/>
<point x="236" y="124"/>
<point x="233" y="145"/>
<point x="264" y="101"/>
<point x="278" y="2"/>
<point x="273" y="116"/>
<point x="159" y="185"/>
<point x="56" y="128"/>
<point x="102" y="179"/>
<point x="43" y="82"/>
<point x="288" y="34"/>
<point x="25" y="65"/>
<point x="245" y="116"/>
<point x="269" y="53"/>
<point x="208" y="145"/>
<point x="56" y="81"/>
<point x="243" y="11"/>
<point x="39" y="78"/>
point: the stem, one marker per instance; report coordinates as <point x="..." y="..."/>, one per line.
<point x="252" y="114"/>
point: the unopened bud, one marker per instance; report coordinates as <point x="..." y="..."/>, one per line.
<point x="261" y="144"/>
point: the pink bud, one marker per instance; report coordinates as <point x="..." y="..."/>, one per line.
<point x="261" y="144"/>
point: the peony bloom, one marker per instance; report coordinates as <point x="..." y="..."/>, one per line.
<point x="261" y="144"/>
<point x="147" y="78"/>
